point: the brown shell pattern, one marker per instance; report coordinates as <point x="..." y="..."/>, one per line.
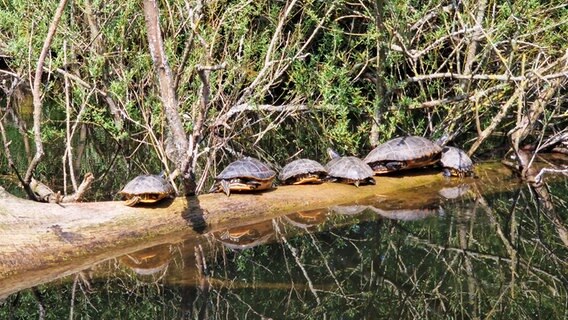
<point x="349" y="168"/>
<point x="299" y="167"/>
<point x="403" y="149"/>
<point x="147" y="183"/>
<point x="247" y="167"/>
<point x="455" y="158"/>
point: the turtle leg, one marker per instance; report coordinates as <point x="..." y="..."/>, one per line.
<point x="254" y="184"/>
<point x="356" y="183"/>
<point x="446" y="172"/>
<point x="394" y="165"/>
<point x="132" y="201"/>
<point x="371" y="181"/>
<point x="226" y="186"/>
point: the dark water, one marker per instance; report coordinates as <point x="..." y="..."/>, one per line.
<point x="464" y="252"/>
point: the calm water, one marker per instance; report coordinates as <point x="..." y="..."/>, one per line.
<point x="462" y="251"/>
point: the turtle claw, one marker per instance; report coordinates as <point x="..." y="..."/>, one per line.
<point x="226" y="186"/>
<point x="132" y="201"/>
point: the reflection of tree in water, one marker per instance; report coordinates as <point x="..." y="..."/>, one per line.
<point x="495" y="256"/>
<point x="487" y="256"/>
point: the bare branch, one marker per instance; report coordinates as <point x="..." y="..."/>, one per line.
<point x="164" y="73"/>
<point x="168" y="96"/>
<point x="495" y="122"/>
<point x="472" y="47"/>
<point x="222" y="120"/>
<point x="458" y="76"/>
<point x="36" y="91"/>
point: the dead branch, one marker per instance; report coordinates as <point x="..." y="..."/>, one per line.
<point x="97" y="45"/>
<point x="36" y="91"/>
<point x="88" y="180"/>
<point x="268" y="62"/>
<point x="237" y="109"/>
<point x="167" y="90"/>
<point x="68" y="154"/>
<point x="431" y="15"/>
<point x="540" y="176"/>
<point x="6" y="145"/>
<point x="499" y="77"/>
<point x="472" y="47"/>
<point x="495" y="121"/>
<point x="529" y="119"/>
<point x="195" y="15"/>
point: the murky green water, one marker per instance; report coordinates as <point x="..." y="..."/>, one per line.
<point x="465" y="253"/>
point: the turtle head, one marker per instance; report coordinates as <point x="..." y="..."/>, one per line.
<point x="332" y="153"/>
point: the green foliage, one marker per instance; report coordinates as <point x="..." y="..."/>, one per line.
<point x="350" y="68"/>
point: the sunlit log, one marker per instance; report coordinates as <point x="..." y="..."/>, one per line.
<point x="58" y="239"/>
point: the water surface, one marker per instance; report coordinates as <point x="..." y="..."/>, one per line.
<point x="457" y="250"/>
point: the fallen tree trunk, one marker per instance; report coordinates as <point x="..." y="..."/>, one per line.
<point x="37" y="237"/>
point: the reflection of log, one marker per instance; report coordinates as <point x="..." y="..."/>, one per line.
<point x="49" y="238"/>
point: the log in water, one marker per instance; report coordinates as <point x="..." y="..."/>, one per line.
<point x="40" y="240"/>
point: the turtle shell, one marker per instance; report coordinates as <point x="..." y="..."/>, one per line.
<point x="148" y="185"/>
<point x="456" y="161"/>
<point x="249" y="168"/>
<point x="301" y="167"/>
<point x="349" y="168"/>
<point x="414" y="151"/>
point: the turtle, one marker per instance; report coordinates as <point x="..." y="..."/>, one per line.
<point x="348" y="169"/>
<point x="403" y="153"/>
<point x="244" y="175"/>
<point x="147" y="188"/>
<point x="302" y="171"/>
<point x="455" y="162"/>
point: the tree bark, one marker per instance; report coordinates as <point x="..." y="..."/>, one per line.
<point x="165" y="76"/>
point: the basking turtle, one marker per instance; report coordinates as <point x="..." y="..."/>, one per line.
<point x="147" y="188"/>
<point x="403" y="153"/>
<point x="244" y="175"/>
<point x="351" y="170"/>
<point x="456" y="162"/>
<point x="302" y="171"/>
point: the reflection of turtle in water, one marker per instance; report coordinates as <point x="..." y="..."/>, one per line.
<point x="403" y="153"/>
<point x="349" y="210"/>
<point x="244" y="175"/>
<point x="148" y="261"/>
<point x="244" y="237"/>
<point x="302" y="171"/>
<point x="409" y="214"/>
<point x="350" y="170"/>
<point x="147" y="188"/>
<point x="306" y="219"/>
<point x="456" y="162"/>
<point x="454" y="192"/>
